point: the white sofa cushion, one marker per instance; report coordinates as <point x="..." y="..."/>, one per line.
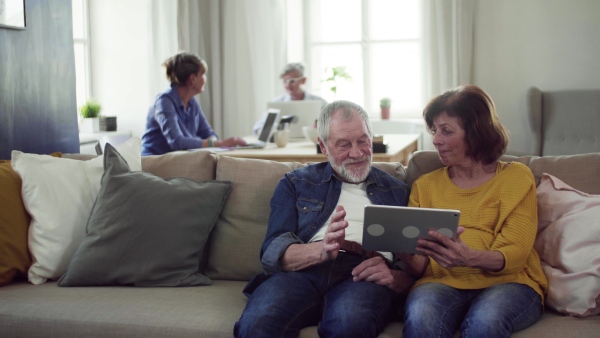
<point x="59" y="194"/>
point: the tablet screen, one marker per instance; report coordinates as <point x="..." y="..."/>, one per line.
<point x="397" y="229"/>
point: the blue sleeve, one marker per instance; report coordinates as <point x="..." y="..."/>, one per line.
<point x="283" y="224"/>
<point x="204" y="128"/>
<point x="165" y="113"/>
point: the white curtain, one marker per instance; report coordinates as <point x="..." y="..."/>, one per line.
<point x="447" y="44"/>
<point x="243" y="42"/>
<point x="162" y="43"/>
<point x="447" y="48"/>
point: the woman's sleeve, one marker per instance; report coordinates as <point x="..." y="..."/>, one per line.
<point x="168" y="121"/>
<point x="518" y="221"/>
<point x="204" y="129"/>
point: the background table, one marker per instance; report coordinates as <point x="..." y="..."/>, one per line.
<point x="400" y="146"/>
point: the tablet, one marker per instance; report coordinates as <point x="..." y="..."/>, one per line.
<point x="397" y="229"/>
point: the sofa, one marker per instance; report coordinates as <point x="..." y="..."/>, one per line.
<point x="231" y="258"/>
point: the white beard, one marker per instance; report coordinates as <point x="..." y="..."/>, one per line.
<point x="357" y="175"/>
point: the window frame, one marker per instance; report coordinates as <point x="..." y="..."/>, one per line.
<point x="85" y="42"/>
<point x="366" y="43"/>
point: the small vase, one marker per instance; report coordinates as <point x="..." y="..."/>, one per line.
<point x="89" y="125"/>
<point x="282" y="137"/>
<point x="385" y="113"/>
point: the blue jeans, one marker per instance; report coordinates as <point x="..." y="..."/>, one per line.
<point x="438" y="310"/>
<point x="325" y="295"/>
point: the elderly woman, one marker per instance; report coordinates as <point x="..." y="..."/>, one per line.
<point x="488" y="281"/>
<point x="175" y="120"/>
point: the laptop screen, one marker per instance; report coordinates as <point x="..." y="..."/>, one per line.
<point x="306" y="111"/>
<point x="268" y="126"/>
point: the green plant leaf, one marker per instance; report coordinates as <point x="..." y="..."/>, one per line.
<point x="90" y="109"/>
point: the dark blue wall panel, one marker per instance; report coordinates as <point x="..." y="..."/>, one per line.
<point x="37" y="82"/>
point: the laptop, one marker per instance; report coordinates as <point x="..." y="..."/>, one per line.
<point x="307" y="111"/>
<point x="265" y="133"/>
<point x="397" y="229"/>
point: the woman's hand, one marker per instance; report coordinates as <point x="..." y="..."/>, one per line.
<point x="450" y="252"/>
<point x="446" y="251"/>
<point x="232" y="142"/>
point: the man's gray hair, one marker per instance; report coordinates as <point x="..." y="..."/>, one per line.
<point x="293" y="67"/>
<point x="347" y="110"/>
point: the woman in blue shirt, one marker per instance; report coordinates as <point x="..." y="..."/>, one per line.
<point x="175" y="120"/>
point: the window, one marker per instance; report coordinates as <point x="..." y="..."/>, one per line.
<point x="379" y="43"/>
<point x="81" y="47"/>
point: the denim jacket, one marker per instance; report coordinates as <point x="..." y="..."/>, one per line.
<point x="304" y="200"/>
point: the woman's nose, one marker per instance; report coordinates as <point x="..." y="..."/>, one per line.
<point x="436" y="139"/>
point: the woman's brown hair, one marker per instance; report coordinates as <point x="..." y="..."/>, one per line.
<point x="485" y="136"/>
<point x="181" y="65"/>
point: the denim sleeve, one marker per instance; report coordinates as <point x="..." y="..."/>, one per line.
<point x="270" y="258"/>
<point x="283" y="226"/>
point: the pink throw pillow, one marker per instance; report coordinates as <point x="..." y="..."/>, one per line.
<point x="568" y="243"/>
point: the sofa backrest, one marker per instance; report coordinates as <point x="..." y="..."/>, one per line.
<point x="195" y="165"/>
<point x="238" y="235"/>
<point x="582" y="172"/>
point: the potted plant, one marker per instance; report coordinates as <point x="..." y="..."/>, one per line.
<point x="333" y="75"/>
<point x="385" y="104"/>
<point x="90" y="112"/>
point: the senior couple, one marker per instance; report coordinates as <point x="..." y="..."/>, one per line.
<point x="486" y="282"/>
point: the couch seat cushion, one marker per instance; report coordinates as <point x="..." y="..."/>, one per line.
<point x="50" y="311"/>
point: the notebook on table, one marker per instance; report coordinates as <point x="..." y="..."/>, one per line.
<point x="397" y="229"/>
<point x="266" y="131"/>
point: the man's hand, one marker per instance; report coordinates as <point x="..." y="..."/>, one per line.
<point x="375" y="270"/>
<point x="301" y="256"/>
<point x="334" y="234"/>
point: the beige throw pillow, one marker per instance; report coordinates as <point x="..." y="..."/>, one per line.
<point x="568" y="243"/>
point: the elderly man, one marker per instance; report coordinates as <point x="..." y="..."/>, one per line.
<point x="293" y="80"/>
<point x="315" y="269"/>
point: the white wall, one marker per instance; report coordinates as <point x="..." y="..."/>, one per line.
<point x="550" y="44"/>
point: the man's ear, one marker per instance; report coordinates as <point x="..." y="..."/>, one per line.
<point x="302" y="80"/>
<point x="322" y="146"/>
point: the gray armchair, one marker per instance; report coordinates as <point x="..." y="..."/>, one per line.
<point x="564" y="122"/>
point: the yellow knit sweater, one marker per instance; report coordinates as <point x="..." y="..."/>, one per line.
<point x="499" y="215"/>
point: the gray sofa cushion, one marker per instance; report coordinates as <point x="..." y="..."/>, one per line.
<point x="144" y="230"/>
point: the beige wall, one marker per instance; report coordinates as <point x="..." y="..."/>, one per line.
<point x="550" y="44"/>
